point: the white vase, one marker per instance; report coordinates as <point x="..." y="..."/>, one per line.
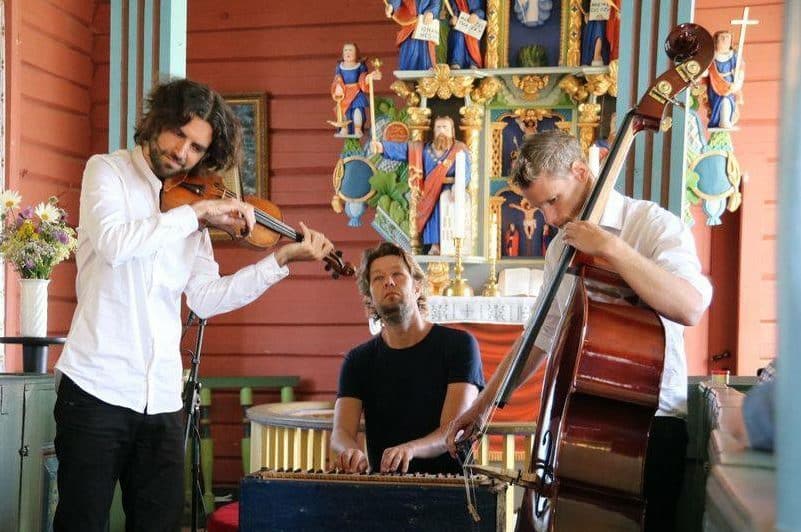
<point x="33" y="307"/>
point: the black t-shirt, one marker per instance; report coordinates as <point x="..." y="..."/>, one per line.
<point x="403" y="390"/>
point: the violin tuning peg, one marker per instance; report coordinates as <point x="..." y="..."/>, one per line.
<point x="339" y="253"/>
<point x="328" y="267"/>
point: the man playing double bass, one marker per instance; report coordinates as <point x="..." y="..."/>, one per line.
<point x="654" y="253"/>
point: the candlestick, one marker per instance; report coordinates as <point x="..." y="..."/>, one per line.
<point x="594" y="160"/>
<point x="491" y="286"/>
<point x="493" y="237"/>
<point x="458" y="286"/>
<point x="458" y="195"/>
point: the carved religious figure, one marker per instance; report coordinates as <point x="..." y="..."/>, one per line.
<point x="435" y="161"/>
<point x="724" y="88"/>
<point x="348" y="90"/>
<point x="601" y="35"/>
<point x="511" y="241"/>
<point x="415" y="54"/>
<point x="464" y="51"/>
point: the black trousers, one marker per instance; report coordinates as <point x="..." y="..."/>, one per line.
<point x="664" y="472"/>
<point x="98" y="444"/>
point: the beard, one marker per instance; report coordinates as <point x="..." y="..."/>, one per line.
<point x="158" y="162"/>
<point x="394" y="313"/>
<point x="442" y="142"/>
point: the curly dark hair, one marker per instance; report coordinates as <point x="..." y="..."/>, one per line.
<point x="363" y="275"/>
<point x="173" y="104"/>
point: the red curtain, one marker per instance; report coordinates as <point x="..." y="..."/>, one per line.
<point x="495" y="342"/>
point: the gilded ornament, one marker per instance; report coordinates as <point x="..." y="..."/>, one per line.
<point x="531" y="85"/>
<point x="438" y="277"/>
<point x="443" y="84"/>
<point x="575" y="89"/>
<point x="600" y="84"/>
<point x="406" y="91"/>
<point x="493" y="31"/>
<point x="472" y="116"/>
<point x="573" y="35"/>
<point x="486" y="90"/>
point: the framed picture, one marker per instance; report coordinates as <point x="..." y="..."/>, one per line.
<point x="251" y="108"/>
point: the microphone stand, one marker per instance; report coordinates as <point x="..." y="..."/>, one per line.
<point x="191" y="397"/>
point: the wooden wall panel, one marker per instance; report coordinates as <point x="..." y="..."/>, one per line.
<point x="743" y="313"/>
<point x="49" y="105"/>
<point x="305" y="324"/>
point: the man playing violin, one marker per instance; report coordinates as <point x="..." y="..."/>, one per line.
<point x="410" y="380"/>
<point x="654" y="253"/>
<point x="119" y="409"/>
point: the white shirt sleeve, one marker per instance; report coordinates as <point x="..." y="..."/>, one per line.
<point x="208" y="294"/>
<point x="103" y="218"/>
<point x="673" y="248"/>
<point x="550" y="327"/>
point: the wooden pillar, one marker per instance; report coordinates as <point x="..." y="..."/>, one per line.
<point x="788" y="419"/>
<point x="644" y="27"/>
<point x="147" y="45"/>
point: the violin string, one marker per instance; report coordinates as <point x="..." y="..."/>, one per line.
<point x="273" y="223"/>
<point x="270" y="221"/>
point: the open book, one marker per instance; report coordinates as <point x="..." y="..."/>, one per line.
<point x="520" y="281"/>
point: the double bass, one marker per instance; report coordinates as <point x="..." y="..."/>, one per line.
<point x="602" y="380"/>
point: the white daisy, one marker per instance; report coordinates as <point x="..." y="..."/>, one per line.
<point x="47" y="212"/>
<point x="9" y="199"/>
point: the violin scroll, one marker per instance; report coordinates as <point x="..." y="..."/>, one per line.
<point x="338" y="267"/>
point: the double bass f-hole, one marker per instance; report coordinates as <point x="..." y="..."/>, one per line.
<point x="544" y="471"/>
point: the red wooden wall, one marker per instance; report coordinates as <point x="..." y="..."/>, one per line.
<point x="49" y="77"/>
<point x="742" y="319"/>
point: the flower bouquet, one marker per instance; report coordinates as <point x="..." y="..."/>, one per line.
<point x="34" y="240"/>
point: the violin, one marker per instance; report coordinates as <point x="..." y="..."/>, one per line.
<point x="269" y="228"/>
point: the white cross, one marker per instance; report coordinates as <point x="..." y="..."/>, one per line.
<point x="743" y="23"/>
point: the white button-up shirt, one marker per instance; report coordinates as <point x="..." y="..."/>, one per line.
<point x="662" y="237"/>
<point x="134" y="262"/>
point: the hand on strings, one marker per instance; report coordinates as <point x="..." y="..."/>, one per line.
<point x="397" y="458"/>
<point x="463" y="429"/>
<point x="314" y="246"/>
<point x="224" y="213"/>
<point x="589" y="238"/>
<point x="352" y="461"/>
